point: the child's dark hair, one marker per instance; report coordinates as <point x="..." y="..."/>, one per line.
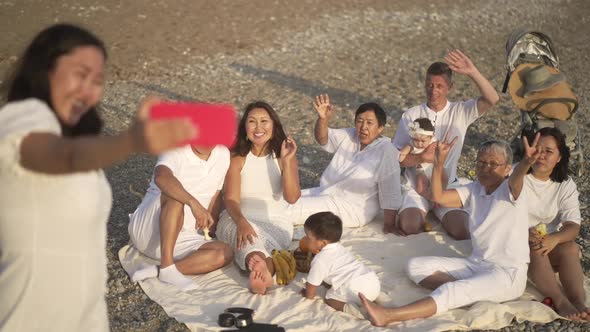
<point x="425" y="124"/>
<point x="325" y="226"/>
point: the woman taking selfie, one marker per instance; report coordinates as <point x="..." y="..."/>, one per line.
<point x="55" y="199"/>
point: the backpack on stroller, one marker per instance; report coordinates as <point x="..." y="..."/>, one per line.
<point x="540" y="91"/>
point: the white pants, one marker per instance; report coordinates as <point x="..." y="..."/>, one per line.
<point x="476" y="281"/>
<point x="310" y="203"/>
<point x="144" y="231"/>
<point x="411" y="199"/>
<point x="368" y="284"/>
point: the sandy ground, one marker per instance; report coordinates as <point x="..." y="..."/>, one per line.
<point x="286" y="52"/>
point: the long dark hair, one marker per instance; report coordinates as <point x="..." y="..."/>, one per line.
<point x="30" y="78"/>
<point x="244" y="145"/>
<point x="559" y="173"/>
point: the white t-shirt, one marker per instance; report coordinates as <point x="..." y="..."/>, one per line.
<point x="454" y="119"/>
<point x="552" y="203"/>
<point x="368" y="177"/>
<point x="201" y="178"/>
<point x="498" y="224"/>
<point x="335" y="265"/>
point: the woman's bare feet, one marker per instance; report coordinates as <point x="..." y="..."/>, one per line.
<point x="260" y="276"/>
<point x="568" y="310"/>
<point x="257" y="284"/>
<point x="584" y="311"/>
<point x="376" y="312"/>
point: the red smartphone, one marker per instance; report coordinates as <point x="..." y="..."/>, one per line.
<point x="216" y="123"/>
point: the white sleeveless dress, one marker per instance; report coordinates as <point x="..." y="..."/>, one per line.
<point x="53" y="231"/>
<point x="262" y="204"/>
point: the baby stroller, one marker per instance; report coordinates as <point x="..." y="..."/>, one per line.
<point x="540" y="91"/>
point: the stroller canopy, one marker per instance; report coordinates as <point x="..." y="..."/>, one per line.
<point x="526" y="45"/>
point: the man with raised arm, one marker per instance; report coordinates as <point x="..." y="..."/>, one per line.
<point x="448" y="118"/>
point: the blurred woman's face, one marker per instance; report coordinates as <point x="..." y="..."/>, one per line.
<point x="549" y="155"/>
<point x="367" y="127"/>
<point x="76" y="83"/>
<point x="259" y="126"/>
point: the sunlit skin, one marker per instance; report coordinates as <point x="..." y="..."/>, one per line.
<point x="549" y="156"/>
<point x="76" y="83"/>
<point x="315" y="245"/>
<point x="421" y="141"/>
<point x="259" y="128"/>
<point x="491" y="169"/>
<point x="367" y="128"/>
<point x="437" y="88"/>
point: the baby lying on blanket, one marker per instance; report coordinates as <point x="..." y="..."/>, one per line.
<point x="335" y="265"/>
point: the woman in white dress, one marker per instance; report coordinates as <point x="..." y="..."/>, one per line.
<point x="261" y="182"/>
<point x="55" y="200"/>
<point x="553" y="201"/>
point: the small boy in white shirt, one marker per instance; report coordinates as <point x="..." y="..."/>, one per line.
<point x="335" y="265"/>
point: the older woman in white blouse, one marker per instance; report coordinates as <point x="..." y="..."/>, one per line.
<point x="363" y="177"/>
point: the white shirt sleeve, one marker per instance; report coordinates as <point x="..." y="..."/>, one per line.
<point x="225" y="155"/>
<point x="172" y="160"/>
<point x="390" y="196"/>
<point x="318" y="271"/>
<point x="464" y="192"/>
<point x="335" y="138"/>
<point x="569" y="203"/>
<point x="470" y="111"/>
<point x="402" y="135"/>
<point x="18" y="120"/>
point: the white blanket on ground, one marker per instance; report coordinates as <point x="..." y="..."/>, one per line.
<point x="385" y="254"/>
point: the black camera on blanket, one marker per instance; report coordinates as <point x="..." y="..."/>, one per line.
<point x="242" y="319"/>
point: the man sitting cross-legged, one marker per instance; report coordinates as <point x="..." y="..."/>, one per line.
<point x="184" y="196"/>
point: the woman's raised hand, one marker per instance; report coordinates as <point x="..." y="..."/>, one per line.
<point x="531" y="154"/>
<point x="323" y="107"/>
<point x="157" y="136"/>
<point x="443" y="148"/>
<point x="288" y="149"/>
